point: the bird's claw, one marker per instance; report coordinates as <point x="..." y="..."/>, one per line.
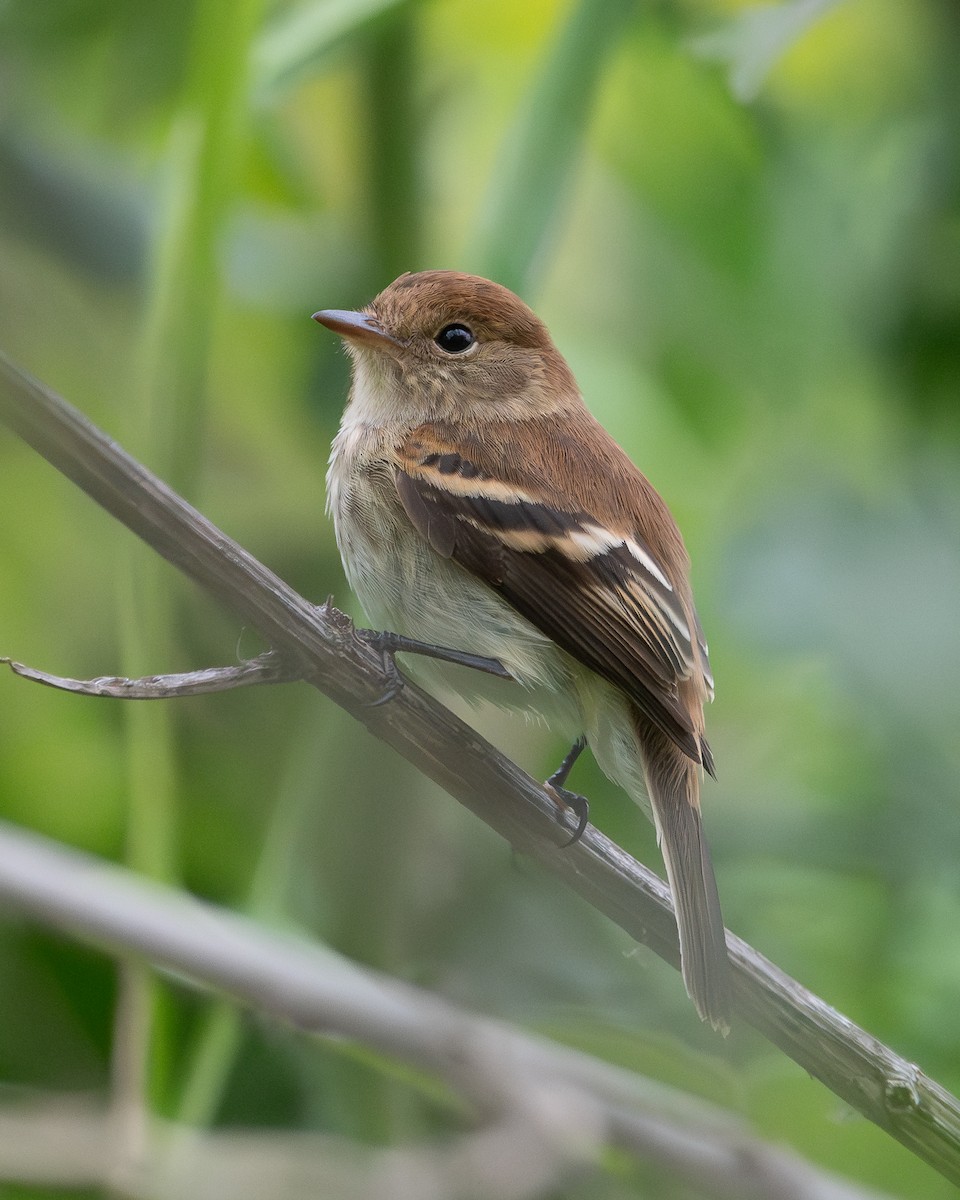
<point x="566" y="799"/>
<point x="382" y="643"/>
<point x="580" y="805"/>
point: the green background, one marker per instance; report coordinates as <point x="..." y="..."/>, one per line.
<point x="758" y="287"/>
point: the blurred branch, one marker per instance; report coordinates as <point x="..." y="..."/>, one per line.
<point x="323" y="644"/>
<point x="543" y="1112"/>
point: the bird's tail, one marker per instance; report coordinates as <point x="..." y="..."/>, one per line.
<point x="673" y="785"/>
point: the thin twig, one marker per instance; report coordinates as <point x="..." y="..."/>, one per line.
<point x="857" y="1067"/>
<point x="268" y="667"/>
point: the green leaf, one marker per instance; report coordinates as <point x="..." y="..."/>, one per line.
<point x="290" y="47"/>
<point x="752" y="42"/>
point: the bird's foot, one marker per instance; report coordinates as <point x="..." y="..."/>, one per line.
<point x="566" y="799"/>
<point x="389" y="644"/>
<point x="580" y="805"/>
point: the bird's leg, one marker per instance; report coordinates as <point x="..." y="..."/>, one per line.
<point x="579" y="804"/>
<point x="389" y="644"/>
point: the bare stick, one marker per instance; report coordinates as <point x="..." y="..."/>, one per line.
<point x="265" y="668"/>
<point x="868" y="1075"/>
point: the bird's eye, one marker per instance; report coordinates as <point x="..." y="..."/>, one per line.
<point x="455" y="339"/>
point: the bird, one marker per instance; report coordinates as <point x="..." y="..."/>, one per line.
<point x="479" y="505"/>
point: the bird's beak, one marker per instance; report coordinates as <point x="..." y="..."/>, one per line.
<point x="356" y="327"/>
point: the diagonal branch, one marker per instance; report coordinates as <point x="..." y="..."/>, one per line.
<point x="321" y="643"/>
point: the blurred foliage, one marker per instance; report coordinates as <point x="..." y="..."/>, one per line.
<point x="742" y="225"/>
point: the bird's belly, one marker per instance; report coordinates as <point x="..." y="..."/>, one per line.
<point x="404" y="586"/>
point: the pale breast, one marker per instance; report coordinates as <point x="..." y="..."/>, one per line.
<point x="406" y="587"/>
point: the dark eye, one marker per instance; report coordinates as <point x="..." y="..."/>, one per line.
<point x="454" y="339"/>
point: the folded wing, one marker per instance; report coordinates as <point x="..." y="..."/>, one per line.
<point x="595" y="589"/>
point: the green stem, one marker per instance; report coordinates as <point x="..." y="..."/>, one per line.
<point x="532" y="178"/>
<point x="220" y="1033"/>
<point x="184" y="288"/>
<point x="393" y="162"/>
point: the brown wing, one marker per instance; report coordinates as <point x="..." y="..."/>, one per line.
<point x="598" y="593"/>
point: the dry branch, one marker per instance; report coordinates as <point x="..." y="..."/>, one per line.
<point x="265" y="668"/>
<point x="321" y="644"/>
